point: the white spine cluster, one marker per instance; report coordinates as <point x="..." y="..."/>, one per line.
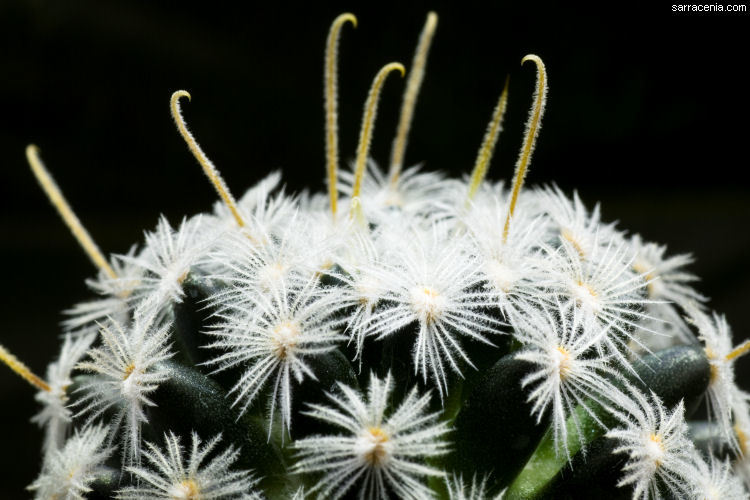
<point x="172" y="476"/>
<point x="378" y="452"/>
<point x="272" y="336"/>
<point x="127" y="365"/>
<point x="660" y="455"/>
<point x="69" y="471"/>
<point x="416" y="262"/>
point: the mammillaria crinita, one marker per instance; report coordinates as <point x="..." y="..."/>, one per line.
<point x="404" y="335"/>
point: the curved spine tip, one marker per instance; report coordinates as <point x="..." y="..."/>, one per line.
<point x="365" y="135"/>
<point x="532" y="57"/>
<point x="181" y="93"/>
<point x="330" y="76"/>
<point x="348" y="17"/>
<point x="208" y="167"/>
<point x="532" y="132"/>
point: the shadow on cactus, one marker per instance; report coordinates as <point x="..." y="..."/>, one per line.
<point x="405" y="335"/>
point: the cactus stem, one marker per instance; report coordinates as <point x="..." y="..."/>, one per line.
<point x="21" y="369"/>
<point x="532" y="131"/>
<point x="365" y="134"/>
<point x="208" y="167"/>
<point x="482" y="163"/>
<point x="63" y="208"/>
<point x="331" y="85"/>
<point x="413" y="84"/>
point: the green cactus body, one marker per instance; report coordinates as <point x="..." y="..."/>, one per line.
<point x="433" y="339"/>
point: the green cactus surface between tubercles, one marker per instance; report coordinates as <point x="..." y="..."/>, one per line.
<point x="404" y="335"/>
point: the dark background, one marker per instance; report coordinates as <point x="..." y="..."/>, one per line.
<point x="647" y="113"/>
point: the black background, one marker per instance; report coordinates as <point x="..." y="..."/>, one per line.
<point x="647" y="113"/>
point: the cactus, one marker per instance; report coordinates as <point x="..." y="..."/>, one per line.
<point x="405" y="335"/>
